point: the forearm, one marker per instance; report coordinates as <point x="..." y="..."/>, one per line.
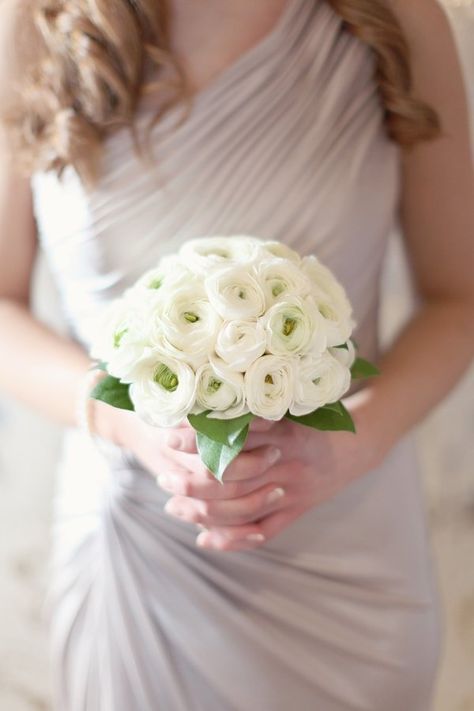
<point x="43" y="369"/>
<point x="428" y="357"/>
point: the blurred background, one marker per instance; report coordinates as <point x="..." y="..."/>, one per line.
<point x="28" y="450"/>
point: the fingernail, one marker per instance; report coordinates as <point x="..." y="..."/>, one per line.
<point x="255" y="537"/>
<point x="204" y="539"/>
<point x="164" y="481"/>
<point x="275" y="495"/>
<point x="173" y="508"/>
<point x="174" y="441"/>
<point x="274" y="455"/>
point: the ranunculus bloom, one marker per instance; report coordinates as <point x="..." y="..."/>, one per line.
<point x="321" y="380"/>
<point x="235" y="293"/>
<point x="269" y="386"/>
<point x="164" y="389"/>
<point x="239" y="343"/>
<point x="220" y="390"/>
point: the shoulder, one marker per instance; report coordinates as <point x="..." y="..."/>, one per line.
<point x="437" y="72"/>
<point x="19" y="44"/>
<point x="415" y="15"/>
<point x="426" y="27"/>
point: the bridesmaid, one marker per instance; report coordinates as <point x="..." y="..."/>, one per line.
<point x="327" y="600"/>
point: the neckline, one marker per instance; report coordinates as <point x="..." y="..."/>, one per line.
<point x="248" y="56"/>
<point x="255" y="52"/>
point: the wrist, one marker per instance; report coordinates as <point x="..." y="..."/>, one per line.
<point x="96" y="417"/>
<point x="371" y="423"/>
<point x="112" y="423"/>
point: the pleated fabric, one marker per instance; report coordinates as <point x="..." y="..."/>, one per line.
<point x="340" y="611"/>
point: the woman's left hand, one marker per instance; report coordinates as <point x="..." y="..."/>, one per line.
<point x="248" y="509"/>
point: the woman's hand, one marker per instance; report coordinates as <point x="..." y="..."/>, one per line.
<point x="283" y="472"/>
<point x="170" y="454"/>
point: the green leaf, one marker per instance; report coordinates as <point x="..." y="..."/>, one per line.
<point x="329" y="417"/>
<point x="334" y="406"/>
<point x="113" y="392"/>
<point x="224" y="431"/>
<point x="101" y="366"/>
<point x="362" y="368"/>
<point x="217" y="456"/>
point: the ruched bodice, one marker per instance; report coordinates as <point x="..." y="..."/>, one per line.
<point x="338" y="612"/>
<point x="287" y="143"/>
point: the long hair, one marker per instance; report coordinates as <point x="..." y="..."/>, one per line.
<point x="97" y="57"/>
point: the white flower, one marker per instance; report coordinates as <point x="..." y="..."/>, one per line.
<point x="269" y="385"/>
<point x="203" y="254"/>
<point x="280" y="279"/>
<point x="170" y="272"/>
<point x="332" y="301"/>
<point x="279" y="249"/>
<point x="294" y="326"/>
<point x="346" y="356"/>
<point x="186" y="324"/>
<point x="120" y="337"/>
<point x="320" y="380"/>
<point x="221" y="390"/>
<point x="239" y="343"/>
<point x="235" y="293"/>
<point x="164" y="389"/>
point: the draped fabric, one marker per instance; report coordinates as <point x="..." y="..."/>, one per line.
<point x="340" y="611"/>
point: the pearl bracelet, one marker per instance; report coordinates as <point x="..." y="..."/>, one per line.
<point x="84" y="418"/>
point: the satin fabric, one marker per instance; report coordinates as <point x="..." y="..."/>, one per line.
<point x="340" y="611"/>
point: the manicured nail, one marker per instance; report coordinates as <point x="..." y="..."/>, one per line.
<point x="164" y="481"/>
<point x="274" y="455"/>
<point x="174" y="440"/>
<point x="275" y="495"/>
<point x="171" y="507"/>
<point x="204" y="539"/>
<point x="255" y="537"/>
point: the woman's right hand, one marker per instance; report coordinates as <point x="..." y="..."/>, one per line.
<point x="172" y="453"/>
<point x="155" y="447"/>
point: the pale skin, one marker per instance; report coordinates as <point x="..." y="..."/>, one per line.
<point x="426" y="360"/>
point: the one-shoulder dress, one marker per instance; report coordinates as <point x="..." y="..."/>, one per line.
<point x="340" y="611"/>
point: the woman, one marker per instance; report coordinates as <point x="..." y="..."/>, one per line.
<point x="317" y="122"/>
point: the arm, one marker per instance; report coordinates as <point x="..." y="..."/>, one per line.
<point x="435" y="348"/>
<point x="37" y="366"/>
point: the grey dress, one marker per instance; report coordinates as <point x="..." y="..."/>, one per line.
<point x="340" y="611"/>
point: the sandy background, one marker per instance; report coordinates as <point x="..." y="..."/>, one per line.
<point x="28" y="447"/>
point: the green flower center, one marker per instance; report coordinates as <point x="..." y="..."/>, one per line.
<point x="190" y="317"/>
<point x="166" y="378"/>
<point x="118" y="335"/>
<point x="289" y="325"/>
<point x="316" y="381"/>
<point x="269" y="379"/>
<point x="213" y="385"/>
<point x="155" y="283"/>
<point x="278" y="288"/>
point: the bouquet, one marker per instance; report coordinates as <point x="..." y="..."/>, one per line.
<point x="226" y="330"/>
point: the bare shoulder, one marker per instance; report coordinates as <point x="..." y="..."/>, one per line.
<point x="438" y="176"/>
<point x="419" y="19"/>
<point x="19" y="44"/>
<point x="434" y="55"/>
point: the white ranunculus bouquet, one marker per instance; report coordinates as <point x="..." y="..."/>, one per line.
<point x="229" y="329"/>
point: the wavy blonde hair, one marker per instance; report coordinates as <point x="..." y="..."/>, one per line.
<point x="95" y="63"/>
